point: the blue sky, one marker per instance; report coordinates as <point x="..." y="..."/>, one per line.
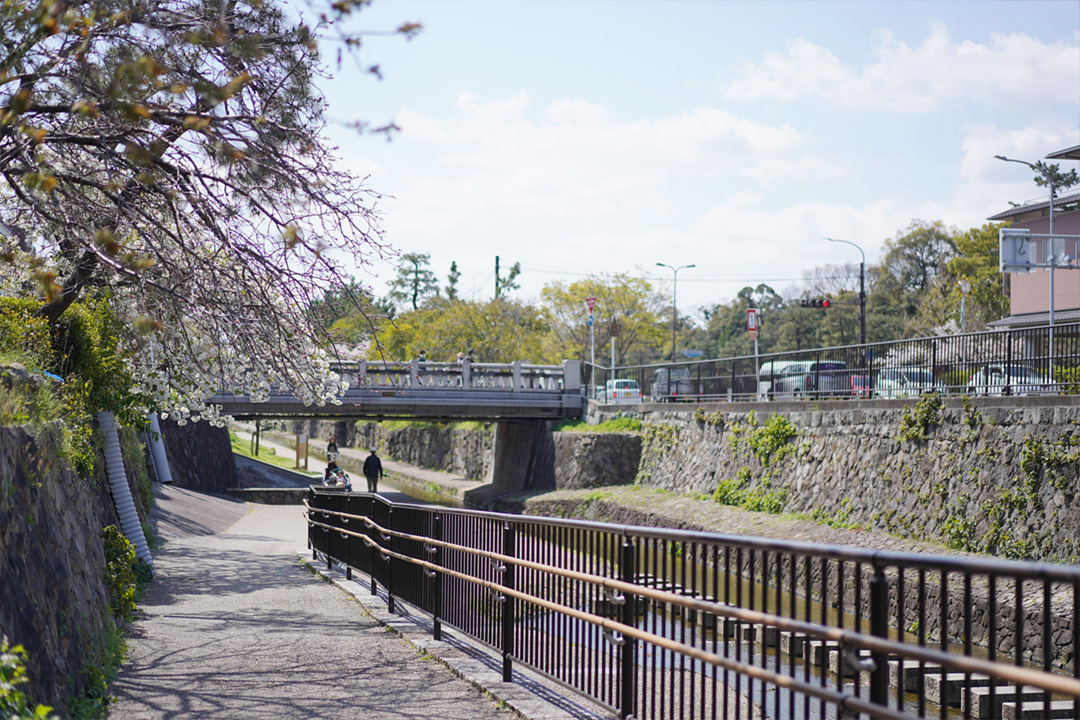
<point x="600" y="136"/>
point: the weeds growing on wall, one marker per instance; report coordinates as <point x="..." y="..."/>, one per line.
<point x="104" y="658"/>
<point x="771" y="443"/>
<point x="916" y="424"/>
<point x="120" y="564"/>
<point x="14" y="705"/>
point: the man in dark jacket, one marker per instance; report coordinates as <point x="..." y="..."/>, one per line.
<point x="373" y="471"/>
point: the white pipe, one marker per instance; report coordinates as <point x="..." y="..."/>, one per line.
<point x="157" y="452"/>
<point x="121" y="491"/>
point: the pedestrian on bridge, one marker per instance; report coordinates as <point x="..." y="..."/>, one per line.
<point x="373" y="471"/>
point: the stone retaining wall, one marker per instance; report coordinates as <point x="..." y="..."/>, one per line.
<point x="200" y="456"/>
<point x="991" y="476"/>
<point x="53" y="599"/>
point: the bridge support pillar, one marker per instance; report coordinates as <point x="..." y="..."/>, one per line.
<point x="518" y="450"/>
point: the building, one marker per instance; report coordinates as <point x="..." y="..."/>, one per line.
<point x="1029" y="293"/>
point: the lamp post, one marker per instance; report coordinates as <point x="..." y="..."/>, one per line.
<point x="1049" y="254"/>
<point x="862" y="288"/>
<point x="674" y="316"/>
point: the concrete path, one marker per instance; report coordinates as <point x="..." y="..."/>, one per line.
<point x="236" y="627"/>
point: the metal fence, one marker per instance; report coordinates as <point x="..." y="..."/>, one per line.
<point x="1037" y="360"/>
<point x="655" y="623"/>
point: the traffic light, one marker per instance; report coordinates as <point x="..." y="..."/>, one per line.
<point x="815" y="303"/>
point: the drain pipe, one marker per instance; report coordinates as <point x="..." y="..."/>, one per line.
<point x="121" y="491"/>
<point x="157" y="451"/>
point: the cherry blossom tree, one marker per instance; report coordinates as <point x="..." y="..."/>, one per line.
<point x="170" y="156"/>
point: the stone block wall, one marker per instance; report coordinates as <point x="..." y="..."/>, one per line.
<point x="53" y="599"/>
<point x="588" y="460"/>
<point x="468" y="453"/>
<point x="200" y="456"/>
<point x="991" y="476"/>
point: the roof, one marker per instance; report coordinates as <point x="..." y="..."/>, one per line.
<point x="1072" y="153"/>
<point x="1060" y="200"/>
<point x="1038" y="318"/>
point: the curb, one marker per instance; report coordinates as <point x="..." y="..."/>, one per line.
<point x="529" y="695"/>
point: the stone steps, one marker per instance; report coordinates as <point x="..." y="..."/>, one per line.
<point x="952" y="689"/>
<point x="1036" y="710"/>
<point x="978" y="700"/>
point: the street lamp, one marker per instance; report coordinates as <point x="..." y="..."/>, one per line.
<point x="674" y="316"/>
<point x="1049" y="255"/>
<point x="862" y="289"/>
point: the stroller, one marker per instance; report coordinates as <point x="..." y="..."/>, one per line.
<point x="336" y="476"/>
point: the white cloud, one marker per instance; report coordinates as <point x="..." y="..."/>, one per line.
<point x="1006" y="70"/>
<point x="574" y="159"/>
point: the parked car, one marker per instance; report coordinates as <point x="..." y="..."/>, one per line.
<point x="992" y="379"/>
<point x="668" y="384"/>
<point x="819" y="379"/>
<point x="904" y="382"/>
<point x="860" y="385"/>
<point x="768" y="374"/>
<point x="620" y="391"/>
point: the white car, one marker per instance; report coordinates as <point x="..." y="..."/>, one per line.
<point x="904" y="382"/>
<point x="621" y="391"/>
<point x="1020" y="379"/>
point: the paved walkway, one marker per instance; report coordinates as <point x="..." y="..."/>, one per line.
<point x="236" y="627"/>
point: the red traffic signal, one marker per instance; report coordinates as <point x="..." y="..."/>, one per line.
<point x="814" y="303"/>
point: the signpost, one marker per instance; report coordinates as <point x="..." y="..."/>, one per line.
<point x="614" y="334"/>
<point x="752" y="323"/>
<point x="590" y="303"/>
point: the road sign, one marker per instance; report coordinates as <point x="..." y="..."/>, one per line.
<point x="752" y="319"/>
<point x="590" y="302"/>
<point x="693" y="353"/>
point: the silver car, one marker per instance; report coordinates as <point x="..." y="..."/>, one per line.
<point x="816" y="379"/>
<point x="992" y="379"/>
<point x="904" y="382"/>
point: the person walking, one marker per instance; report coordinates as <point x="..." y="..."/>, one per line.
<point x="373" y="471"/>
<point x="331" y="450"/>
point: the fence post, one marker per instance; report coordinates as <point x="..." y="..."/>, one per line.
<point x="508" y="606"/>
<point x="310" y="527"/>
<point x="1008" y="363"/>
<point x="436" y="600"/>
<point x="933" y="365"/>
<point x="879" y="627"/>
<point x="347" y="538"/>
<point x="390" y="562"/>
<point x="375" y="557"/>
<point x="628" y="651"/>
<point x="330" y="533"/>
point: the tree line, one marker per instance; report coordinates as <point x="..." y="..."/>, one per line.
<point x="914" y="289"/>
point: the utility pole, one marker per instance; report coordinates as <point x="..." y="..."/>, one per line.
<point x="496" y="277"/>
<point x="862" y="288"/>
<point x="674" y="312"/>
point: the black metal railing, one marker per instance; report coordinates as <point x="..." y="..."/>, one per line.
<point x="1036" y="360"/>
<point x="657" y="623"/>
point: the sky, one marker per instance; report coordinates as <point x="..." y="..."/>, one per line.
<point x="585" y="137"/>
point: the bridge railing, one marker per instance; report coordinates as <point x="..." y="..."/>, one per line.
<point x="661" y="623"/>
<point x="504" y="377"/>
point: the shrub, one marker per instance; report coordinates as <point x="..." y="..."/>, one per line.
<point x="119" y="572"/>
<point x="14" y="705"/>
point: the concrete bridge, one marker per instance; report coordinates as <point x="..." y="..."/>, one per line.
<point x="518" y="397"/>
<point x="434" y="391"/>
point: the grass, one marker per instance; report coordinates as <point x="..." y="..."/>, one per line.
<point x="623" y="424"/>
<point x="266" y="454"/>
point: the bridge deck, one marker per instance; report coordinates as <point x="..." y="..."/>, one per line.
<point x="434" y="391"/>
